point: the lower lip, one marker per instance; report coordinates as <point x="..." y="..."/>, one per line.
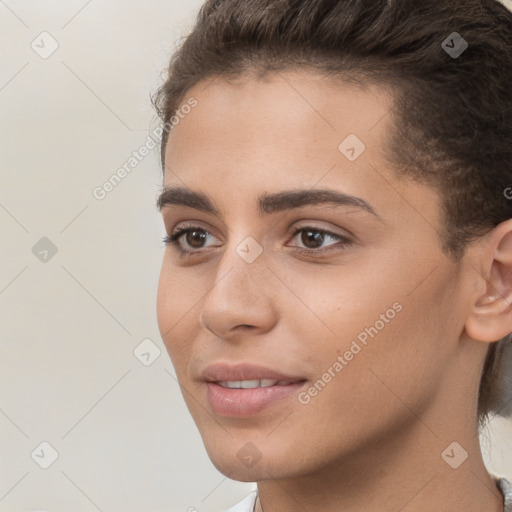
<point x="238" y="403"/>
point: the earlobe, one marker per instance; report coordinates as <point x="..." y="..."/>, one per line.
<point x="490" y="318"/>
<point x="488" y="299"/>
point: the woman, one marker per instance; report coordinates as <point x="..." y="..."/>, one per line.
<point x="335" y="293"/>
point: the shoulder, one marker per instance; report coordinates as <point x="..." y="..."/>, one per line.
<point x="246" y="505"/>
<point x="505" y="486"/>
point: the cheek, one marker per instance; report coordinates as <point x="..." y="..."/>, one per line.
<point x="176" y="297"/>
<point x="379" y="330"/>
<point x="340" y="305"/>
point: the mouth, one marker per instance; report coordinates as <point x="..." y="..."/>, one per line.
<point x="245" y="390"/>
<point x="251" y="384"/>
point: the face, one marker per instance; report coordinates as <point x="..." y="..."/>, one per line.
<point x="330" y="311"/>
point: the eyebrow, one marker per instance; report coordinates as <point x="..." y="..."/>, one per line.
<point x="267" y="203"/>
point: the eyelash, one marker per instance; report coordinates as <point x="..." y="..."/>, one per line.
<point x="175" y="238"/>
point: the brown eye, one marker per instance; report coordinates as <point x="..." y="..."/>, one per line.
<point x="313" y="238"/>
<point x="194" y="238"/>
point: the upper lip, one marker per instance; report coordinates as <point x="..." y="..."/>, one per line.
<point x="236" y="372"/>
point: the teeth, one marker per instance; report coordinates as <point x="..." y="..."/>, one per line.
<point x="249" y="384"/>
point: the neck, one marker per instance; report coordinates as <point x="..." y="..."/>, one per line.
<point x="404" y="472"/>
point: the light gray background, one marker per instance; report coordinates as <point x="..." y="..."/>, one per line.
<point x="70" y="325"/>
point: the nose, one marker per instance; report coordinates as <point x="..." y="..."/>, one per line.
<point x="241" y="298"/>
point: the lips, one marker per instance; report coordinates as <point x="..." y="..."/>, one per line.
<point x="245" y="372"/>
<point x="251" y="384"/>
<point x="244" y="390"/>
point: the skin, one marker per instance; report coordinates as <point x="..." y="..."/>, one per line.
<point x="372" y="439"/>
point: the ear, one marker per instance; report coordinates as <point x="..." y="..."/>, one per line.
<point x="490" y="318"/>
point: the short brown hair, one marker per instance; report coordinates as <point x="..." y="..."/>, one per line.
<point x="452" y="114"/>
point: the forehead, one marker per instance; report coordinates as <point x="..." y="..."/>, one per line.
<point x="280" y="119"/>
<point x="287" y="100"/>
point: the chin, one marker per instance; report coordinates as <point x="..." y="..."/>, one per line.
<point x="225" y="460"/>
<point x="240" y="459"/>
